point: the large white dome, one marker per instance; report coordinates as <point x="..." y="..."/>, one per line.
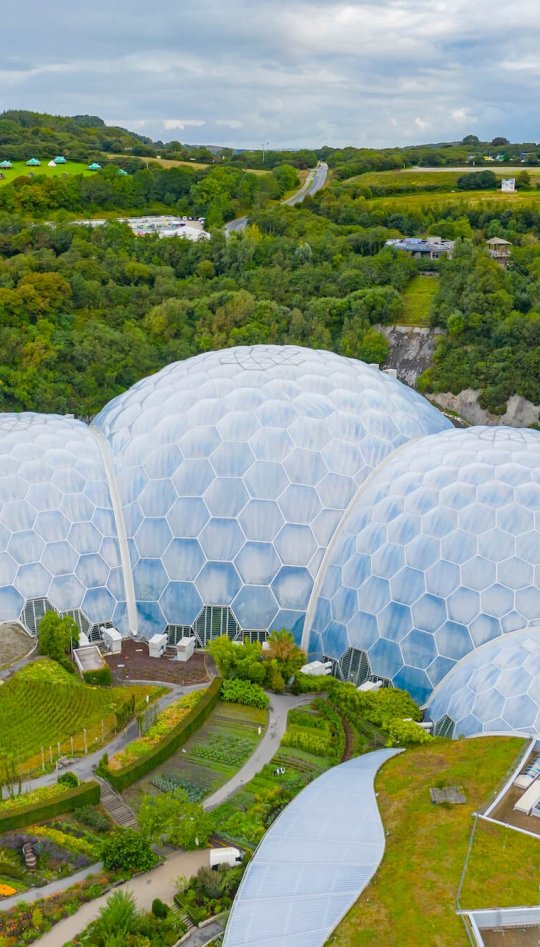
<point x="234" y="469"/>
<point x="439" y="554"/>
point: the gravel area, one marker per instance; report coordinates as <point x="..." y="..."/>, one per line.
<point x="14" y="643"/>
<point x="134" y="664"/>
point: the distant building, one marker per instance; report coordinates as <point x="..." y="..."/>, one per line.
<point x="430" y="248"/>
<point x="499" y="250"/>
<point x="508" y="184"/>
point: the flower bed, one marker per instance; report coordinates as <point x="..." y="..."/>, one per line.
<point x="165" y="722"/>
<point x="63" y="839"/>
<point x="164" y="737"/>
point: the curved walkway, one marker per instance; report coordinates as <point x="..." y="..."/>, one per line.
<point x="280" y="705"/>
<point x="83" y="765"/>
<point x="314" y="861"/>
<point x="158" y="883"/>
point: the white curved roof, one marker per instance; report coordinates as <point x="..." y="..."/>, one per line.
<point x="314" y="861"/>
<point x="234" y="469"/>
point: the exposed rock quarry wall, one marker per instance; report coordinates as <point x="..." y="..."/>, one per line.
<point x="519" y="411"/>
<point x="411" y="350"/>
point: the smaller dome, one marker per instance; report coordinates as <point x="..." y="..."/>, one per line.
<point x="495" y="689"/>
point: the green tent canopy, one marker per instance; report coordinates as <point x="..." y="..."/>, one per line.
<point x="60" y="160"/>
<point x="33" y="163"/>
<point x="121" y="171"/>
<point x="5" y="164"/>
<point x="94" y="166"/>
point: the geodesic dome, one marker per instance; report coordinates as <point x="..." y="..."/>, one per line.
<point x="495" y="689"/>
<point x="234" y="469"/>
<point x="439" y="554"/>
<point x="58" y="536"/>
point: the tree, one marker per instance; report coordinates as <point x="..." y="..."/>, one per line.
<point x="127" y="850"/>
<point x="116" y="920"/>
<point x="499" y="141"/>
<point x="470" y="140"/>
<point x="56" y="636"/>
<point x="477" y="181"/>
<point x="172" y="818"/>
<point x="283" y="650"/>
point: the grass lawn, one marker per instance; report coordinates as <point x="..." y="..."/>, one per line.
<point x="416" y="202"/>
<point x="412" y="899"/>
<point x="43" y="705"/>
<point x="417" y="299"/>
<point x="212" y="755"/>
<point x="419" y="180"/>
<point x="504" y="869"/>
<point x="19" y="167"/>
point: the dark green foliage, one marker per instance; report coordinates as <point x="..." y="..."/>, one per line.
<point x="93" y="819"/>
<point x="127" y="850"/>
<point x="56" y="636"/>
<point x="236" y="691"/>
<point x="101" y="677"/>
<point x="69" y="779"/>
<point x="116" y="921"/>
<point x="176" y="737"/>
<point x="477" y="181"/>
<point x="86" y="794"/>
<point x="159" y="909"/>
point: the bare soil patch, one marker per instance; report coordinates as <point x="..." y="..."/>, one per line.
<point x="135" y="664"/>
<point x="14" y="643"/>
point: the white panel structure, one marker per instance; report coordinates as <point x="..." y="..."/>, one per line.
<point x="314" y="861"/>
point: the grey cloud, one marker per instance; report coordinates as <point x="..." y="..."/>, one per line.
<point x="295" y="73"/>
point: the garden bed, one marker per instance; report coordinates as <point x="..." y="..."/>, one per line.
<point x="134" y="664"/>
<point x="209" y="758"/>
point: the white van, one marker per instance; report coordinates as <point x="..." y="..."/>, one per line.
<point x="225" y="856"/>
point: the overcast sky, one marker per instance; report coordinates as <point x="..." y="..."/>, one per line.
<point x="244" y="72"/>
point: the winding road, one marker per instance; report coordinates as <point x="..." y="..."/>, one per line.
<point x="315" y="180"/>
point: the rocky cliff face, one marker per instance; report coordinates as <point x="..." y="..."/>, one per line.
<point x="411" y="350"/>
<point x="519" y="411"/>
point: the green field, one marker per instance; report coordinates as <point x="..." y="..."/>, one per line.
<point x="422" y="180"/>
<point x="212" y="755"/>
<point x="417" y="300"/>
<point x="416" y="203"/>
<point x="412" y="899"/>
<point x="20" y="168"/>
<point x="43" y="705"/>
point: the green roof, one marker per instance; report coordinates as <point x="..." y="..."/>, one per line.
<point x="94" y="166"/>
<point x="60" y="160"/>
<point x="33" y="163"/>
<point x="6" y="164"/>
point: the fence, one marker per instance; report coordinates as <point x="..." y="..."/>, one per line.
<point x="86" y="741"/>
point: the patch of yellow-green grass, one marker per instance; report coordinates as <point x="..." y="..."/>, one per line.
<point x="20" y="168"/>
<point x="415" y="203"/>
<point x="412" y="898"/>
<point x="417" y="299"/>
<point x="503" y="870"/>
<point x="174" y="163"/>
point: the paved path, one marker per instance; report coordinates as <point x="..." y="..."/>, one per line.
<point x="83" y="765"/>
<point x="54" y="887"/>
<point x="268" y="746"/>
<point x="158" y="883"/>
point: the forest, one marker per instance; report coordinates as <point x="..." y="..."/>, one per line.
<point x="84" y="313"/>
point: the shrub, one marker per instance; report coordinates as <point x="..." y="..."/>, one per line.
<point x="93" y="819"/>
<point x="244" y="692"/>
<point x="406" y="732"/>
<point x="56" y="635"/>
<point x="69" y="779"/>
<point x="159" y="909"/>
<point x="127" y="850"/>
<point x="102" y="677"/>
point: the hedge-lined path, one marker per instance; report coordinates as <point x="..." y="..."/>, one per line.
<point x="280" y="704"/>
<point x="83" y="766"/>
<point x="158" y="883"/>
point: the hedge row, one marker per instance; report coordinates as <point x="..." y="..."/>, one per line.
<point x="87" y="794"/>
<point x="171" y="742"/>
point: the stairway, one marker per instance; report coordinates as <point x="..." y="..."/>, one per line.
<point x="115" y="806"/>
